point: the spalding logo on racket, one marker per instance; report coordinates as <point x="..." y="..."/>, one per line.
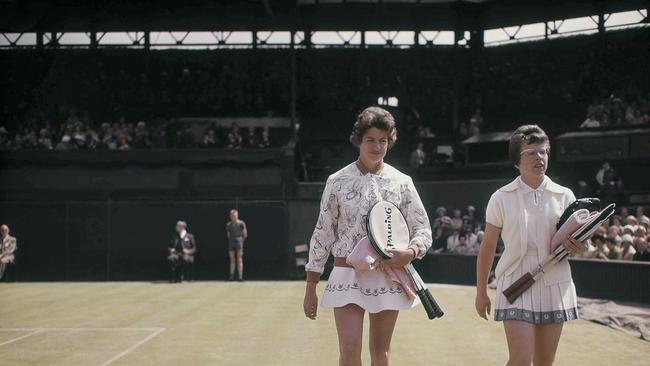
<point x="387" y="229"/>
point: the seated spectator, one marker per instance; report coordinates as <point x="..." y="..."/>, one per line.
<point x="641" y="247"/>
<point x="591" y="122"/>
<point x="613" y="231"/>
<point x="461" y="246"/>
<point x="644" y="222"/>
<point x="479" y="239"/>
<point x="8" y="246"/>
<point x="265" y="140"/>
<point x="624" y="213"/>
<point x="418" y="157"/>
<point x="79" y="136"/>
<point x="614" y="250"/>
<point x="123" y="143"/>
<point x="209" y="140"/>
<point x="65" y="144"/>
<point x="141" y="138"/>
<point x="457" y="220"/>
<point x="635" y="118"/>
<point x="233" y="142"/>
<point x="470" y="217"/>
<point x="627" y="248"/>
<point x="452" y="241"/>
<point x="631" y="221"/>
<point x="463" y="130"/>
<point x="440" y="213"/>
<point x="474" y="128"/>
<point x="44" y="140"/>
<point x="640" y="231"/>
<point x="441" y="234"/>
<point x="181" y="254"/>
<point x="607" y="180"/>
<point x="236" y="136"/>
<point x="590" y="251"/>
<point x="640" y="213"/>
<point x="628" y="229"/>
<point x="252" y="139"/>
<point x="602" y="251"/>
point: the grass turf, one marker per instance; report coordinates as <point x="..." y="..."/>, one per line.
<point x="252" y="323"/>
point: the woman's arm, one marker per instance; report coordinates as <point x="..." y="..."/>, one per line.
<point x="321" y="242"/>
<point x="484" y="262"/>
<point x="324" y="235"/>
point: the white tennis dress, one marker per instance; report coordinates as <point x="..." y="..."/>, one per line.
<point x="543" y="303"/>
<point x="347" y="198"/>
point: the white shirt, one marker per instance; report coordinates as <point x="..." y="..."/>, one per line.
<point x="508" y="211"/>
<point x="347" y="198"/>
<point x="534" y="203"/>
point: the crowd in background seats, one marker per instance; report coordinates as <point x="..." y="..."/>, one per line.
<point x="79" y="133"/>
<point x="615" y="111"/>
<point x="460" y="233"/>
<point x="624" y="237"/>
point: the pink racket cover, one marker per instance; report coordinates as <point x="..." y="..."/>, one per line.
<point x="573" y="223"/>
<point x="364" y="258"/>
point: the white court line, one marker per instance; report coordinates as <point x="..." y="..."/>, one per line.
<point x="22" y="336"/>
<point x="81" y="329"/>
<point x="128" y="350"/>
<point x="155" y="332"/>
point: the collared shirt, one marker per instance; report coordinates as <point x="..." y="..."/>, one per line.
<point x="348" y="196"/>
<point x="534" y="202"/>
<point x="512" y="209"/>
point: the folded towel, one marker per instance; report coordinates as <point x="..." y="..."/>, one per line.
<point x="364" y="258"/>
<point x="571" y="225"/>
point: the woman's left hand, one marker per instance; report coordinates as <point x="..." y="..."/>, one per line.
<point x="573" y="246"/>
<point x="400" y="258"/>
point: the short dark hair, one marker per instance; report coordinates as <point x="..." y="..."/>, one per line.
<point x="529" y="133"/>
<point x="374" y="117"/>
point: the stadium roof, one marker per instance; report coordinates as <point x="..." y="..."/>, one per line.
<point x="191" y="15"/>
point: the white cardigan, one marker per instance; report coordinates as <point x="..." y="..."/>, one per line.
<point x="505" y="211"/>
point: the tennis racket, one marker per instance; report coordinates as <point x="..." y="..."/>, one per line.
<point x="387" y="229"/>
<point x="560" y="253"/>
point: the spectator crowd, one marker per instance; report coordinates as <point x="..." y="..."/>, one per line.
<point x="460" y="233"/>
<point x="80" y="134"/>
<point x="614" y="111"/>
<point x="624" y="237"/>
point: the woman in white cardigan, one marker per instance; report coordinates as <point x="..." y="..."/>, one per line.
<point x="525" y="212"/>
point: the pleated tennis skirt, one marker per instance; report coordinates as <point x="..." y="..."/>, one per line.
<point x="373" y="291"/>
<point x="540" y="304"/>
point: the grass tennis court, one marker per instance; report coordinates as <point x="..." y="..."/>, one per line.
<point x="251" y="323"/>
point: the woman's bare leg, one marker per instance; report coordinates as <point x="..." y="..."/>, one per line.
<point x="349" y="326"/>
<point x="547" y="338"/>
<point x="521" y="342"/>
<point x="382" y="325"/>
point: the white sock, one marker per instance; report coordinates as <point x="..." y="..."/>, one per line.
<point x="232" y="270"/>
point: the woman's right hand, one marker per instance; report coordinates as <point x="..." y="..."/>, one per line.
<point x="310" y="304"/>
<point x="483" y="304"/>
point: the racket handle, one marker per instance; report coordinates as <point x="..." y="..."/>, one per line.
<point x="432" y="308"/>
<point x="518" y="287"/>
